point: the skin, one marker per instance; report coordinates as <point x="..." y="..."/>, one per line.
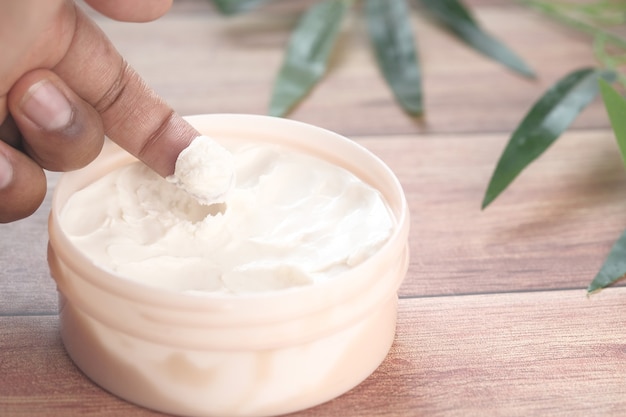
<point x="53" y="46"/>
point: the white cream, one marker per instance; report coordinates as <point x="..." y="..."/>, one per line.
<point x="205" y="170"/>
<point x="290" y="220"/>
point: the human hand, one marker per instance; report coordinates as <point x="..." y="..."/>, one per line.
<point x="63" y="86"/>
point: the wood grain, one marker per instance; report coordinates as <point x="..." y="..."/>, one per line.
<point x="541" y="353"/>
<point x="554" y="353"/>
<point x="552" y="229"/>
<point x="25" y="283"/>
<point x="204" y="63"/>
<point x="494" y="320"/>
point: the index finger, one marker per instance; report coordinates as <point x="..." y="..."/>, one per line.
<point x="133" y="115"/>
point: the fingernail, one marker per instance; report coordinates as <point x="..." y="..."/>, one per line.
<point x="46" y="106"/>
<point x="6" y="171"/>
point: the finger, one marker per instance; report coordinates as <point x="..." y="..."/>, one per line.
<point x="22" y="184"/>
<point x="61" y="132"/>
<point x="9" y="132"/>
<point x="131" y="11"/>
<point x="132" y="114"/>
<point x="35" y="34"/>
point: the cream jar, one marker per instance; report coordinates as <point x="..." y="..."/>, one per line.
<point x="255" y="354"/>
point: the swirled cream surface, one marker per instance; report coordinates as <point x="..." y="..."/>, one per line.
<point x="291" y="219"/>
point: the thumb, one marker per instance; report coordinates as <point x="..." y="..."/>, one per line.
<point x="132" y="114"/>
<point x="131" y="11"/>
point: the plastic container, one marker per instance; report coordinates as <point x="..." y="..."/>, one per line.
<point x="253" y="355"/>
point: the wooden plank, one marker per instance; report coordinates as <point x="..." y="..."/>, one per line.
<point x="39" y="379"/>
<point x="204" y="63"/>
<point x="25" y="283"/>
<point x="552" y="229"/>
<point x="510" y="353"/>
<point x="554" y="353"/>
<point x="560" y="238"/>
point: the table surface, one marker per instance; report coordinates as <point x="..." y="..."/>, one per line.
<point x="493" y="315"/>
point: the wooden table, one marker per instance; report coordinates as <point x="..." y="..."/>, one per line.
<point x="493" y="319"/>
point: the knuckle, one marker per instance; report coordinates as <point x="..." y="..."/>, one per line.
<point x="113" y="95"/>
<point x="154" y="137"/>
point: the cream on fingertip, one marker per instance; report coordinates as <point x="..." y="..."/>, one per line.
<point x="205" y="170"/>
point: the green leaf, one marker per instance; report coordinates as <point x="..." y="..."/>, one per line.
<point x="543" y="124"/>
<point x="457" y="18"/>
<point x="230" y="7"/>
<point x="616" y="108"/>
<point x="307" y="54"/>
<point x="614" y="266"/>
<point x="389" y="28"/>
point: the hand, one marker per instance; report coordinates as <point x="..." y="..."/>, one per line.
<point x="62" y="87"/>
